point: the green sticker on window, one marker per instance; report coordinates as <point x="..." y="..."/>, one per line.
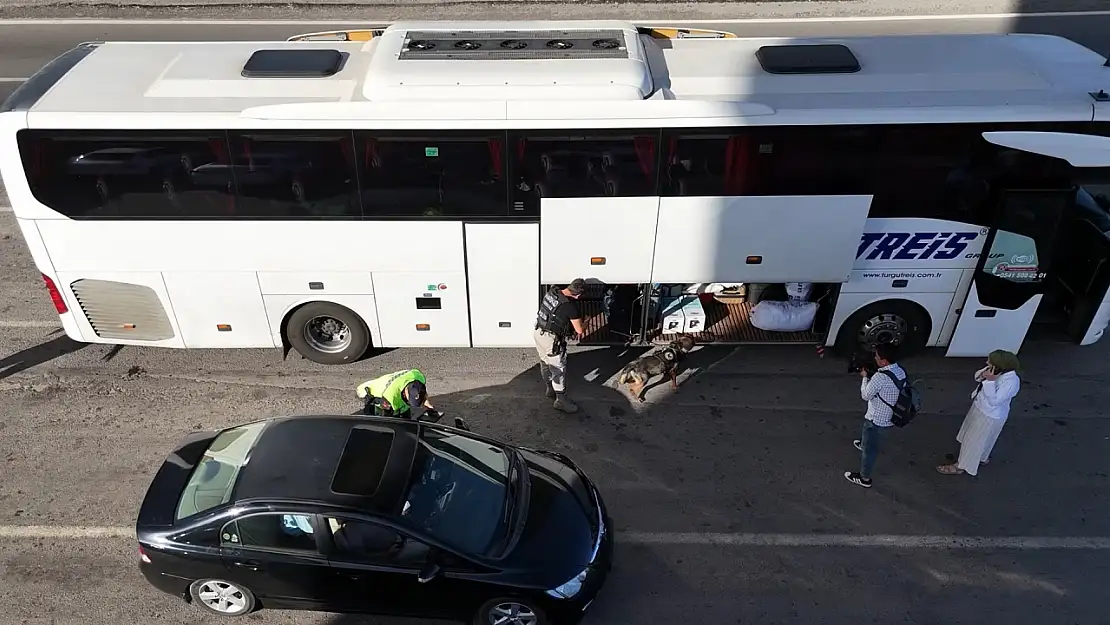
<point x="431" y="151"/>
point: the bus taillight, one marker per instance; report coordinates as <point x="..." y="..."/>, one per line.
<point x="55" y="295"/>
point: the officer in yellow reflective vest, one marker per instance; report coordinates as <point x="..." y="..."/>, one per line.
<point x="394" y="394"/>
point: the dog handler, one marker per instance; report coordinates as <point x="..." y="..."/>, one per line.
<point x="557" y="315"/>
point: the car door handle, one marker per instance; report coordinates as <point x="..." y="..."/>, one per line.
<point x="250" y="565"/>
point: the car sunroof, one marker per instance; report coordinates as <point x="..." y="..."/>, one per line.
<point x="363" y="462"/>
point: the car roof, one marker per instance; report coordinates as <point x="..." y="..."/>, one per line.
<point x="350" y="461"/>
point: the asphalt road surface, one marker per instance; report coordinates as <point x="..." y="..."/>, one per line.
<point x="727" y="495"/>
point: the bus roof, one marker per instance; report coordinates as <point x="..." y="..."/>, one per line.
<point x="572" y="71"/>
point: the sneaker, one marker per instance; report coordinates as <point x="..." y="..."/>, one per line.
<point x="858" y="444"/>
<point x="856" y="479"/>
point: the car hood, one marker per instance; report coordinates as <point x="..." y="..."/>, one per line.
<point x="561" y="524"/>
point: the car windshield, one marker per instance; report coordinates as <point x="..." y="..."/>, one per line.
<point x="458" y="491"/>
<point x="214" y="476"/>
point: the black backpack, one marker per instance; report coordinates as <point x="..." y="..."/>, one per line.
<point x="909" y="401"/>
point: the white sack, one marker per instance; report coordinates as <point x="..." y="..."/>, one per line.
<point x="784" y="316"/>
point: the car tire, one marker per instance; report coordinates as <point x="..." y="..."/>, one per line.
<point x="328" y="334"/>
<point x="533" y="615"/>
<point x="238" y="599"/>
<point x="873" y="319"/>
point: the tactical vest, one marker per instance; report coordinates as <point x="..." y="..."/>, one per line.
<point x="547" y="319"/>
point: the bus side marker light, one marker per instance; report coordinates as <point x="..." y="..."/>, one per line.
<point x="223" y="327"/>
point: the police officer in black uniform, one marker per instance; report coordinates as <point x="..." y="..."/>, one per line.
<point x="557" y="316"/>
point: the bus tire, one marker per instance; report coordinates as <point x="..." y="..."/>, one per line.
<point x="327" y="333"/>
<point x="902" y="322"/>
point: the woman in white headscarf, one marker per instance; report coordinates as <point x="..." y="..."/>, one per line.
<point x="990" y="407"/>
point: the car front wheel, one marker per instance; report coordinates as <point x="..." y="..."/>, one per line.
<point x="506" y="611"/>
<point x="222" y="597"/>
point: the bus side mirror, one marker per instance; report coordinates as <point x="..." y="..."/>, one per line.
<point x="461" y="424"/>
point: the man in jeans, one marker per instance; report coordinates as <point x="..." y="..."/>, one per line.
<point x="881" y="393"/>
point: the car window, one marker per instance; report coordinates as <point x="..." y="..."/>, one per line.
<point x="362" y="541"/>
<point x="270" y="531"/>
<point x="208" y="536"/>
<point x="214" y="476"/>
<point x="458" y="491"/>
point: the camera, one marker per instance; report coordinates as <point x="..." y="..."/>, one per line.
<point x="863" y="362"/>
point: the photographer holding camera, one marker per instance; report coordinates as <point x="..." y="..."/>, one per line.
<point x="990" y="406"/>
<point x="881" y="387"/>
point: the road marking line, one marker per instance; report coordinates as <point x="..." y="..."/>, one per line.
<point x="65" y="532"/>
<point x="679" y="21"/>
<point x="30" y="324"/>
<point x="890" y="541"/>
<point x="894" y="541"/>
<point x="13" y="80"/>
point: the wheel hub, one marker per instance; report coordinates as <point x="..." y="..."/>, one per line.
<point x="327" y="334"/>
<point x="222" y="597"/>
<point x="885" y="328"/>
<point x="512" y="614"/>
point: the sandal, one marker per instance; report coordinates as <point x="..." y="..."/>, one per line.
<point x="949" y="469"/>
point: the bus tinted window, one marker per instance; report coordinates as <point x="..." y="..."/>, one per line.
<point x="933" y="171"/>
<point x="802" y="160"/>
<point x="130" y="175"/>
<point x="295" y="175"/>
<point x="432" y="175"/>
<point x="588" y="165"/>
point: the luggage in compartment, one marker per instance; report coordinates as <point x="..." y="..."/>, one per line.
<point x="792" y="316"/>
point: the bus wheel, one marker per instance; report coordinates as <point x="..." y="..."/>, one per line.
<point x="904" y="324"/>
<point x="327" y="333"/>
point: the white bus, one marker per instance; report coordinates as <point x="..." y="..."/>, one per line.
<point x="423" y="183"/>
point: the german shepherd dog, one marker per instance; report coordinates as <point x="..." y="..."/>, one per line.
<point x="660" y="362"/>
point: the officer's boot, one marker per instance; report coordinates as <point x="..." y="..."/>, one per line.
<point x="545" y="374"/>
<point x="564" y="404"/>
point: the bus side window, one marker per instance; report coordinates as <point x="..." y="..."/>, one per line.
<point x="129" y="174"/>
<point x="935" y="171"/>
<point x="295" y="175"/>
<point x="432" y="174"/>
<point x="801" y="160"/>
<point x="586" y="164"/>
<point x="705" y="164"/>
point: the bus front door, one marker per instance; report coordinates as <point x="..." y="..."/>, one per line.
<point x="1032" y="192"/>
<point x="1082" y="269"/>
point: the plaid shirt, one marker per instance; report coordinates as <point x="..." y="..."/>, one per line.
<point x="879" y="389"/>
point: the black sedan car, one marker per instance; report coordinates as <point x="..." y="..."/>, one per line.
<point x="374" y="515"/>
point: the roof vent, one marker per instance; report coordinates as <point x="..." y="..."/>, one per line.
<point x="293" y="63"/>
<point x="808" y="59"/>
<point x="514" y="45"/>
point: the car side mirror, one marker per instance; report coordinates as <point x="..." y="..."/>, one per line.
<point x="461" y="424"/>
<point x="431" y="569"/>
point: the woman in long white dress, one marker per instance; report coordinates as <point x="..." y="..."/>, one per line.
<point x="990" y="407"/>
